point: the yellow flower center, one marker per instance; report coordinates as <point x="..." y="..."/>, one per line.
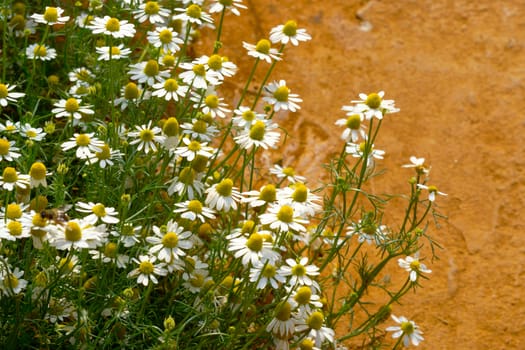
<point x="194" y="146"/>
<point x="110" y="250"/>
<point x="13" y="211"/>
<point x="194" y="11"/>
<point x="187" y="176"/>
<point x="289" y="171"/>
<point x="14" y="228"/>
<point x="200" y="163"/>
<point x="281" y="93"/>
<point x="226" y="2"/>
<point x="99" y="210"/>
<point x="285" y="214"/>
<point x="268" y="194"/>
<point x="407" y="327"/>
<point x="38" y="171"/>
<point x="3" y="91"/>
<point x="255" y="242"/>
<point x="353" y="122"/>
<point x="263" y="46"/>
<point x="113" y="25"/>
<point x="165" y="36"/>
<point x="299" y="270"/>
<point x="248" y="115"/>
<point x="71" y="105"/>
<point x="10" y="281"/>
<point x="307" y="344"/>
<point x="131" y="91"/>
<point x="257" y="130"/>
<point x="73" y="232"/>
<point x="432" y="188"/>
<point x="373" y="100"/>
<point x="83" y="140"/>
<point x="316" y="320"/>
<point x="40" y="51"/>
<point x="369" y="229"/>
<point x="171" y="85"/>
<point x="18" y="22"/>
<point x="248" y="226"/>
<point x="224" y="188"/>
<point x="115" y="50"/>
<point x="9" y="175"/>
<point x="51" y="14"/>
<point x="303" y="295"/>
<point x="146" y="267"/>
<point x="151" y="68"/>
<point x="105" y="153"/>
<point x="38" y="220"/>
<point x="269" y="271"/>
<point x="199" y="70"/>
<point x="215" y="62"/>
<point x="168" y="60"/>
<point x="171" y="127"/>
<point x="290" y="28"/>
<point x="212" y="101"/>
<point x="414" y="265"/>
<point x="200" y="127"/>
<point x="301" y="193"/>
<point x="170" y="240"/>
<point x="151" y="8"/>
<point x="283" y="311"/>
<point x="31" y="133"/>
<point x="197" y="280"/>
<point x="195" y="206"/>
<point x="146" y="135"/>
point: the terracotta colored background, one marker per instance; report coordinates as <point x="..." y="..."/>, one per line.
<point x="456" y="69"/>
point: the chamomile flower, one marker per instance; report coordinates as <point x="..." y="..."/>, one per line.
<point x="188" y="182"/>
<point x="354" y="127"/>
<point x="31" y="133"/>
<point x="77" y="234"/>
<point x="40" y="52"/>
<point x="97" y="211"/>
<point x="196" y="280"/>
<point x="373" y="105"/>
<point x="413" y="266"/>
<point x="146" y="137"/>
<point x="8" y="95"/>
<point x="86" y="145"/>
<point x="106" y="156"/>
<point x="279" y="96"/>
<point x="224" y="5"/>
<point x="11" y="281"/>
<point x="37" y="174"/>
<point x="193" y="210"/>
<point x="8" y="150"/>
<point x="169" y="242"/>
<point x="286" y="173"/>
<point x="218" y="65"/>
<point x="305" y="300"/>
<point x="251" y="249"/>
<point x="108" y="254"/>
<point x="107" y="53"/>
<point x="82" y="76"/>
<point x="359" y="150"/>
<point x="197" y="76"/>
<point x="11" y="230"/>
<point x="193" y="14"/>
<point x="266" y="195"/>
<point x="313" y="324"/>
<point x="245" y="117"/>
<point x="266" y="274"/>
<point x="288" y="32"/>
<point x="368" y="231"/>
<point x="21" y="26"/>
<point x="129" y="94"/>
<point x="11" y="179"/>
<point x="418" y="164"/>
<point x="262" y="50"/>
<point x="300" y="273"/>
<point x="194" y="148"/>
<point x="283" y="323"/>
<point x="147" y="271"/>
<point x="51" y="16"/>
<point x="212" y="104"/>
<point x="301" y="199"/>
<point x="432" y="191"/>
<point x="151" y="11"/>
<point x="166" y="39"/>
<point x="9" y="127"/>
<point x="128" y="235"/>
<point x="261" y="134"/>
<point x="83" y="19"/>
<point x="409" y="330"/>
<point x="223" y="196"/>
<point x="148" y="72"/>
<point x="170" y="89"/>
<point x="112" y="26"/>
<point x="283" y="218"/>
<point x="71" y="108"/>
<point x="199" y="129"/>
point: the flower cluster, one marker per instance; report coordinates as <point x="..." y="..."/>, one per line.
<point x="130" y="183"/>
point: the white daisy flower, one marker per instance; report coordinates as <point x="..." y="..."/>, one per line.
<point x="245" y="117"/>
<point x="37" y="174"/>
<point x="129" y="94"/>
<point x="252" y="249"/>
<point x="82" y="76"/>
<point x="283" y="218"/>
<point x="14" y="229"/>
<point x="197" y="76"/>
<point x="166" y="39"/>
<point x="193" y="210"/>
<point x="9" y="127"/>
<point x="31" y="133"/>
<point x="193" y="14"/>
<point x="199" y="129"/>
<point x="266" y="274"/>
<point x="287" y="173"/>
<point x="354" y="127"/>
<point x="148" y="72"/>
<point x="367" y="231"/>
<point x="152" y="12"/>
<point x="11" y="179"/>
<point x="188" y="182"/>
<point x="279" y="96"/>
<point x="8" y="150"/>
<point x="223" y="196"/>
<point x="107" y="53"/>
<point x="418" y="164"/>
<point x="71" y="108"/>
<point x="260" y="134"/>
<point x="304" y="299"/>
<point x="169" y="90"/>
<point x="413" y="266"/>
<point x="288" y="32"/>
<point x="7" y="95"/>
<point x="300" y="273"/>
<point x="313" y="324"/>
<point x="77" y="234"/>
<point x="169" y="242"/>
<point x="409" y="330"/>
<point x="194" y="148"/>
<point x="262" y="50"/>
<point x="51" y="16"/>
<point x="373" y="105"/>
<point x="300" y="198"/>
<point x="359" y="150"/>
<point x="146" y="137"/>
<point x="40" y="52"/>
<point x="283" y="324"/>
<point x="106" y="156"/>
<point x="147" y="271"/>
<point x="108" y="254"/>
<point x="112" y="26"/>
<point x="232" y="6"/>
<point x="266" y="195"/>
<point x="11" y="281"/>
<point x="432" y="191"/>
<point x="218" y="65"/>
<point x="86" y="145"/>
<point x="97" y="211"/>
<point x="128" y="235"/>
